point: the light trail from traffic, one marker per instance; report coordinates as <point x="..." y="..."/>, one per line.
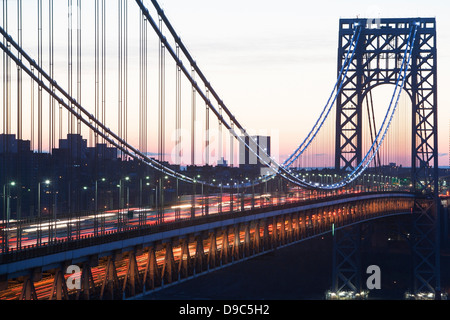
<point x="27" y="234"/>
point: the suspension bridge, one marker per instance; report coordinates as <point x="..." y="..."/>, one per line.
<point x="121" y="162"/>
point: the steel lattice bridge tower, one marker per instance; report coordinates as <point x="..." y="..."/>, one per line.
<point x="377" y="60"/>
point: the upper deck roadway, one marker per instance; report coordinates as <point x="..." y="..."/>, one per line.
<point x="48" y="255"/>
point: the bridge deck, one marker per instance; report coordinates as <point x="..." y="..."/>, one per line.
<point x="49" y="256"/>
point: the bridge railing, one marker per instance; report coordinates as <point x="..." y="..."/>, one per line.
<point x="129" y="232"/>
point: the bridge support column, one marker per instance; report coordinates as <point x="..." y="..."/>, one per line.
<point x="346" y="278"/>
<point x="302" y="225"/>
<point x="266" y="236"/>
<point x="212" y="255"/>
<point x="132" y="281"/>
<point x="169" y="263"/>
<point x="236" y="243"/>
<point x="274" y="232"/>
<point x="283" y="230"/>
<point x="247" y="240"/>
<point x="87" y="282"/>
<point x="58" y="290"/>
<point x="289" y="228"/>
<point x="426" y="249"/>
<point x="199" y="255"/>
<point x="151" y="275"/>
<point x="185" y="259"/>
<point x="28" y="289"/>
<point x="296" y="226"/>
<point x="257" y="241"/>
<point x="110" y="280"/>
<point x="225" y="252"/>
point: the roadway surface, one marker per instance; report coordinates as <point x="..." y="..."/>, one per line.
<point x="22" y="234"/>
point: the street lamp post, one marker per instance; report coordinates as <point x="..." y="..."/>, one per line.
<point x="221" y="198"/>
<point x="39" y="231"/>
<point x="177" y="210"/>
<point x="7" y="212"/>
<point x="96" y="206"/>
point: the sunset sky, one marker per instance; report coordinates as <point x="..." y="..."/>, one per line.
<point x="272" y="63"/>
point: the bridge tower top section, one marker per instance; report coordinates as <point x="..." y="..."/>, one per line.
<point x="378" y="58"/>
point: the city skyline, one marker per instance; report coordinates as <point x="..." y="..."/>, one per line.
<point x="141" y="147"/>
<point x="265" y="63"/>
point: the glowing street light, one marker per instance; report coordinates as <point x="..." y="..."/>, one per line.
<point x="6" y="198"/>
<point x="46" y="182"/>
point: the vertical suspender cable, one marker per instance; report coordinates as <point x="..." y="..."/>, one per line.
<point x="220" y="143"/>
<point x="161" y="129"/>
<point x="161" y="115"/>
<point x="178" y="111"/>
<point x="19" y="121"/>
<point x="193" y="119"/>
<point x="232" y="145"/>
<point x="96" y="69"/>
<point x="207" y="131"/>
<point x="125" y="74"/>
<point x="141" y="90"/>
<point x="7" y="74"/>
<point x="60" y="125"/>
<point x="119" y="68"/>
<point x="145" y="86"/>
<point x="5" y="71"/>
<point x="32" y="140"/>
<point x="79" y="61"/>
<point x="142" y="85"/>
<point x="19" y="72"/>
<point x="51" y="62"/>
<point x="71" y="124"/>
<point x="103" y="63"/>
<point x="39" y="120"/>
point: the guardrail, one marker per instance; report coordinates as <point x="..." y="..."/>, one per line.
<point x="138" y="231"/>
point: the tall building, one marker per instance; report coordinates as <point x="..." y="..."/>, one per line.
<point x="9" y="144"/>
<point x="246" y="157"/>
<point x="74" y="145"/>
